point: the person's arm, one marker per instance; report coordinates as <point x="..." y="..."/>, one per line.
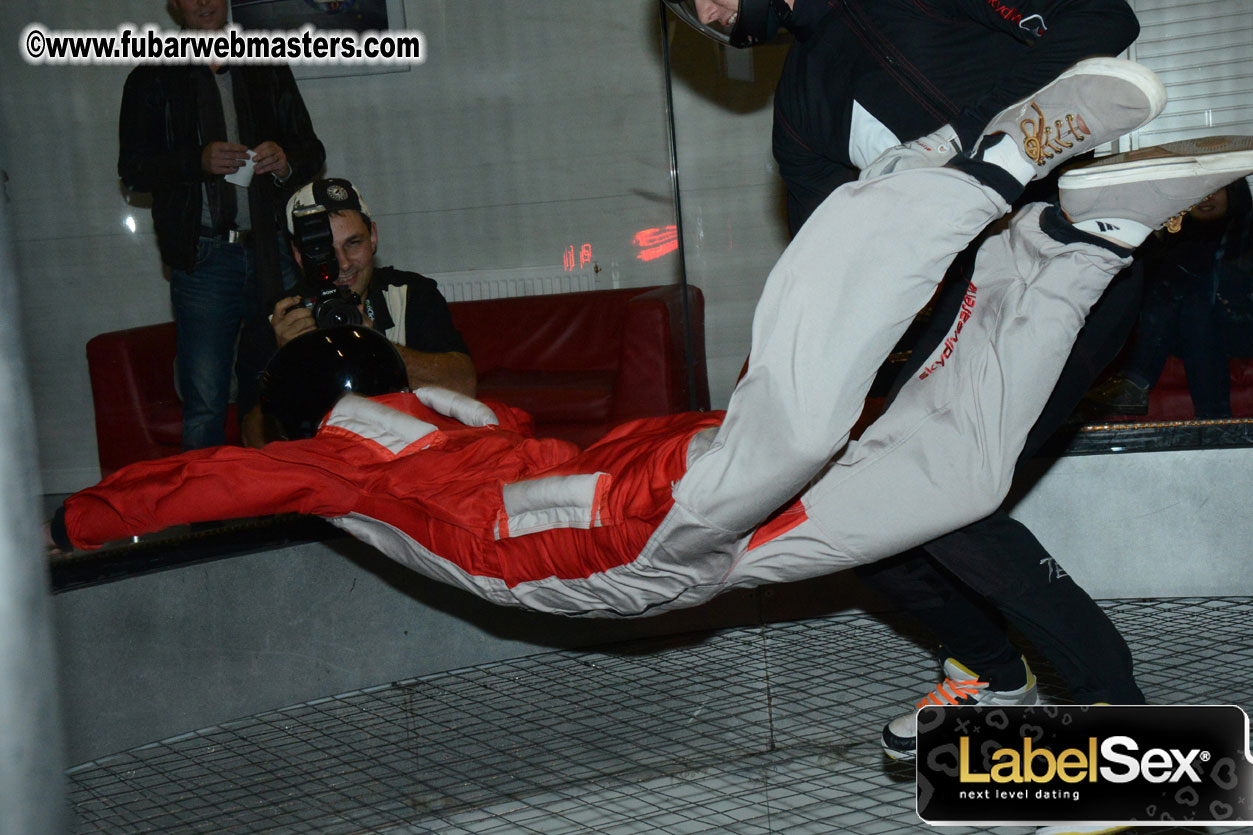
<point x="204" y="485"/>
<point x="450" y="369"/>
<point x="56" y="540"/>
<point x="256" y="429"/>
<point x="806" y="15"/>
<point x="290" y="319"/>
<point x="435" y="352"/>
<point x="1062" y="33"/>
<point x="302" y="153"/>
<point x="144" y="161"/>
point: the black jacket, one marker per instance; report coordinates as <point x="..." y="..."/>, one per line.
<point x="160" y="146"/>
<point x="918" y="64"/>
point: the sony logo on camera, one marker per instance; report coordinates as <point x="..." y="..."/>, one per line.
<point x="1061" y="764"/>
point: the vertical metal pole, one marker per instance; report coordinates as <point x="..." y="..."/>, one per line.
<point x="32" y="796"/>
<point x="690" y="363"/>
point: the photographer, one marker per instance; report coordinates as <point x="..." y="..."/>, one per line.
<point x="334" y="241"/>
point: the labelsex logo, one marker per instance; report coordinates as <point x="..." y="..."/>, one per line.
<point x="1040" y="765"/>
<point x="1125" y="764"/>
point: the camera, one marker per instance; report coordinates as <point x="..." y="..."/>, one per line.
<point x="331" y="305"/>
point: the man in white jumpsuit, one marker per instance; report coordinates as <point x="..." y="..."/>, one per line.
<point x="863" y="265"/>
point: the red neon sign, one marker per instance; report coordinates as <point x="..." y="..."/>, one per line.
<point x="571" y="261"/>
<point x="656" y="242"/>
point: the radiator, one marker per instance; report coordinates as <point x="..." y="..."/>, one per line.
<point x="520" y="281"/>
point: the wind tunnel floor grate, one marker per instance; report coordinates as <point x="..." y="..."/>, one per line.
<point x="768" y="729"/>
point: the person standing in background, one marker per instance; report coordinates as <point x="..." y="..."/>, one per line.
<point x="183" y="131"/>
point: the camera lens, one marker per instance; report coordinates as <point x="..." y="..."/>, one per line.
<point x="336" y="311"/>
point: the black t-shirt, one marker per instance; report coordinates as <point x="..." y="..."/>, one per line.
<point x="409" y="309"/>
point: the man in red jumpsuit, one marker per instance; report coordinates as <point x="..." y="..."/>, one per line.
<point x="459" y="490"/>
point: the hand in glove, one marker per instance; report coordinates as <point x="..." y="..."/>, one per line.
<point x="930" y="151"/>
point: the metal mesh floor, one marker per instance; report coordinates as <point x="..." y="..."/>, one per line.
<point x="770" y="729"/>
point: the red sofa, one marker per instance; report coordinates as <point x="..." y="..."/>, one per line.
<point x="1169" y="399"/>
<point x="580" y="363"/>
<point x="138" y="413"/>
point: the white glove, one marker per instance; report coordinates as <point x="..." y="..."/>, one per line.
<point x="930" y="151"/>
<point x="457" y="406"/>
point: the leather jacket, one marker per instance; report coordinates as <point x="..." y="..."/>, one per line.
<point x="160" y="147"/>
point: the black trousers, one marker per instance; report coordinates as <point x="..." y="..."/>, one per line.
<point x="964" y="586"/>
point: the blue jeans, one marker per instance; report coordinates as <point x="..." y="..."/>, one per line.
<point x="1187" y="316"/>
<point x="216" y="306"/>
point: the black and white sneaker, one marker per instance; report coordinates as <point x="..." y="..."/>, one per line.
<point x="960" y="687"/>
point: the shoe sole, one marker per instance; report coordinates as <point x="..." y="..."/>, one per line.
<point x="897" y="756"/>
<point x="907" y="756"/>
<point x="1175" y="160"/>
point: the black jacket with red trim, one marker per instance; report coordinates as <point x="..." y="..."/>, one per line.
<point x="916" y="65"/>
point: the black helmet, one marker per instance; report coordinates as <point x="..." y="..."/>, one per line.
<point x="308" y="375"/>
<point x="756" y="21"/>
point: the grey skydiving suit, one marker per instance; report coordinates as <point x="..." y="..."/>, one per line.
<point x="838" y="300"/>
